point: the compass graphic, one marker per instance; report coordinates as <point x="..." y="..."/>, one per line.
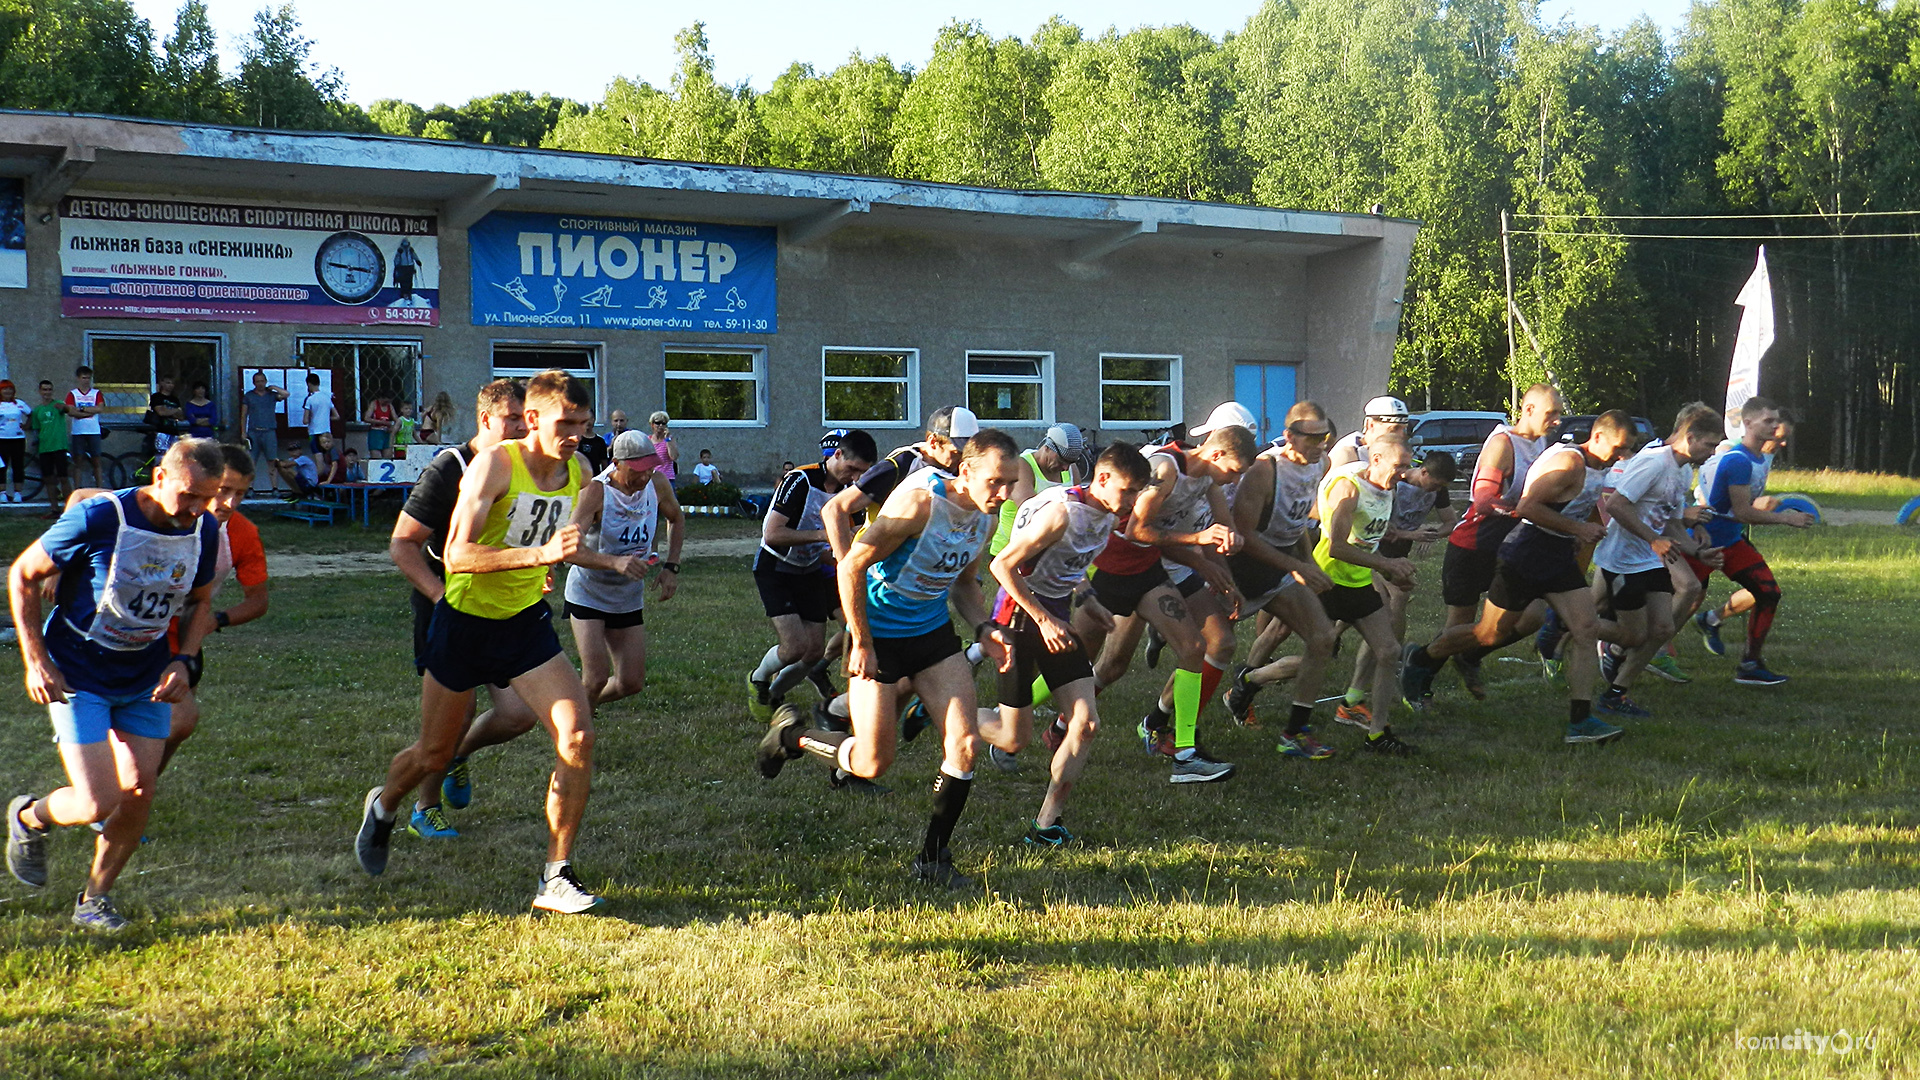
<point x="349" y="267"/>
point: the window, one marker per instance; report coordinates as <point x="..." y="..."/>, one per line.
<point x="128" y="368"/>
<point x="365" y="369"/>
<point x="716" y="387"/>
<point x="1010" y="387"/>
<point x="870" y="387"/>
<point x="1139" y="391"/>
<point x="525" y="359"/>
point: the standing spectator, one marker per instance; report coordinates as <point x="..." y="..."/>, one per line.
<point x="203" y="416"/>
<point x="379" y="418"/>
<point x="163" y="417"/>
<point x="260" y="423"/>
<point x="13" y="439"/>
<point x="438" y="417"/>
<point x="594" y="447"/>
<point x="83" y="404"/>
<point x="616" y="423"/>
<point x="317" y="411"/>
<point x="663" y="445"/>
<point x="706" y="471"/>
<point x="49" y="421"/>
<point x="405" y="430"/>
<point x="786" y="467"/>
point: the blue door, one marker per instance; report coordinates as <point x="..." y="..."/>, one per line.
<point x="1267" y="390"/>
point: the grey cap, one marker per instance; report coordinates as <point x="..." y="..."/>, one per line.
<point x="1066" y="441"/>
<point x="631" y="444"/>
<point x="956" y="422"/>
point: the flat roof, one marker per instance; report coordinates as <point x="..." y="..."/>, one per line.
<point x="58" y="152"/>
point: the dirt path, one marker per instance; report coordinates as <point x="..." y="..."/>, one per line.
<point x="361" y="562"/>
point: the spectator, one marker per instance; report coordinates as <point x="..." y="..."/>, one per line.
<point x="13" y="439"/>
<point x="163" y="417"/>
<point x="616" y="423"/>
<point x="439" y="417"/>
<point x="317" y="411"/>
<point x="405" y="430"/>
<point x="356" y="472"/>
<point x="298" y="468"/>
<point x="83" y="404"/>
<point x="706" y="471"/>
<point x="379" y="417"/>
<point x="786" y="467"/>
<point x="260" y="423"/>
<point x="663" y="445"/>
<point x="327" y="463"/>
<point x="203" y="416"/>
<point x="593" y="447"/>
<point x="49" y="421"/>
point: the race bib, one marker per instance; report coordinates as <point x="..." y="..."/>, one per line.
<point x="533" y="519"/>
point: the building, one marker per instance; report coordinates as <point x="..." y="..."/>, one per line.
<point x="758" y="306"/>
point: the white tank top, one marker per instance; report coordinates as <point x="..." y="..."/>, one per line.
<point x="1525" y="452"/>
<point x="1296" y="487"/>
<point x="626" y="528"/>
<point x="1580" y="507"/>
<point x="1187" y="510"/>
<point x="1062" y="566"/>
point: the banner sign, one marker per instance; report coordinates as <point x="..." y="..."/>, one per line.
<point x="622" y="273"/>
<point x="1750" y="343"/>
<point x="123" y="257"/>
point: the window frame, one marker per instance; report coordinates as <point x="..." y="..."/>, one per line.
<point x="758" y="376"/>
<point x="351" y="419"/>
<point x="912" y="380"/>
<point x="1045" y="382"/>
<point x="129" y="416"/>
<point x="594" y="373"/>
<point x="1175" y="384"/>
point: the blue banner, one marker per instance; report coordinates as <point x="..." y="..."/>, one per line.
<point x="624" y="273"/>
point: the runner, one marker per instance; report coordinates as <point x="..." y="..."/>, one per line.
<point x="1044" y="598"/>
<point x="1732" y="484"/>
<point x="509" y="525"/>
<point x="1536" y="562"/>
<point x="1421" y="492"/>
<point x="794" y="567"/>
<point x="923" y="551"/>
<point x="1049" y="465"/>
<point x="1383" y="414"/>
<point x="417" y="547"/>
<point x="1273" y="508"/>
<point x="619" y="509"/>
<point x="1646" y="532"/>
<point x="127" y="561"/>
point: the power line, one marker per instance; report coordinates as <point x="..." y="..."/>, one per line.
<point x="1714" y="217"/>
<point x="1766" y="237"/>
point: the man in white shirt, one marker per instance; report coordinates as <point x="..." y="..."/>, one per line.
<point x="318" y="411"/>
<point x="84" y="405"/>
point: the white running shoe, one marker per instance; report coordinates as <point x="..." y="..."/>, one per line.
<point x="563" y="893"/>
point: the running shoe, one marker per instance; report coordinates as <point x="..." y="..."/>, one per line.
<point x="841" y="780"/>
<point x="457" y="787"/>
<point x="773" y="752"/>
<point x="1752" y="673"/>
<point x="759" y="699"/>
<point x="1667" y="666"/>
<point x="1591" y="730"/>
<point x="1303" y="745"/>
<point x="1239" y="698"/>
<point x="97" y="915"/>
<point x="1416" y="680"/>
<point x="826" y="721"/>
<point x="1612" y="704"/>
<point x="1155" y="646"/>
<point x="1052" y="836"/>
<point x="1471" y="676"/>
<point x="1357" y="714"/>
<point x="1005" y="762"/>
<point x="1199" y="769"/>
<point x="431" y="824"/>
<point x="1554" y="671"/>
<point x="370" y="846"/>
<point x="1609" y="661"/>
<point x="914" y="719"/>
<point x="939" y="871"/>
<point x="1154" y="740"/>
<point x="1709" y="634"/>
<point x="26" y="846"/>
<point x="1547" y="641"/>
<point x="1052" y="736"/>
<point x="1387" y="743"/>
<point x="821" y="676"/>
<point x="564" y="894"/>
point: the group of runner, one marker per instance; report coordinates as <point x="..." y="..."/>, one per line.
<point x="1085" y="551"/>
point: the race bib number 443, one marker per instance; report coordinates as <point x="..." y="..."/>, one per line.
<point x="534" y="518"/>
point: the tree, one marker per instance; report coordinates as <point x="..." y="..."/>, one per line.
<point x="279" y="86"/>
<point x="190" y="86"/>
<point x="976" y="114"/>
<point x="76" y="56"/>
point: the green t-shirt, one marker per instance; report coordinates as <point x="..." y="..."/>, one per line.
<point x="50" y="426"/>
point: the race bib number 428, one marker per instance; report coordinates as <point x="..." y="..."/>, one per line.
<point x="534" y="518"/>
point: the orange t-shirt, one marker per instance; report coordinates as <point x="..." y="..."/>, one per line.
<point x="240" y="552"/>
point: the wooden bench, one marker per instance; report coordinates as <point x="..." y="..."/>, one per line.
<point x="311" y="511"/>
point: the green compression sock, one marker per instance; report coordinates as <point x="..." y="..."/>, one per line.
<point x="1042" y="693"/>
<point x="1186" y="706"/>
<point x="1355" y="695"/>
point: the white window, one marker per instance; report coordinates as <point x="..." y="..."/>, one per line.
<point x="1139" y="391"/>
<point x="714" y="386"/>
<point x="873" y="388"/>
<point x="524" y="359"/>
<point x="1010" y="388"/>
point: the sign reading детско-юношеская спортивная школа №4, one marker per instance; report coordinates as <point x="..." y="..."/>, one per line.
<point x="623" y="273"/>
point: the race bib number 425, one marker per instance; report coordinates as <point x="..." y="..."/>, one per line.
<point x="534" y="518"/>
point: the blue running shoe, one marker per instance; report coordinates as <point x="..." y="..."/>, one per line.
<point x="914" y="719"/>
<point x="97" y="915"/>
<point x="457" y="786"/>
<point x="431" y="824"/>
<point x="1611" y="704"/>
<point x="1751" y="673"/>
<point x="1052" y="836"/>
<point x="1710" y="634"/>
<point x="1547" y="641"/>
<point x="1609" y="662"/>
<point x="1592" y="731"/>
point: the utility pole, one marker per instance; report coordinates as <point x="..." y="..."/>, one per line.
<point x="1513" y="371"/>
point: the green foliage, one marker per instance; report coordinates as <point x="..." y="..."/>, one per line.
<point x="976" y="115"/>
<point x="75" y="56"/>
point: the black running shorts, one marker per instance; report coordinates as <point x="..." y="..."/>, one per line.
<point x="615" y="620"/>
<point x="1630" y="590"/>
<point x="813" y="595"/>
<point x="1533" y="567"/>
<point x="903" y="658"/>
<point x="1351" y="603"/>
<point x="1121" y="593"/>
<point x="1467" y="574"/>
<point x="465" y="651"/>
<point x="1031" y="657"/>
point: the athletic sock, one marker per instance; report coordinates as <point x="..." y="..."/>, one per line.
<point x="821" y="676"/>
<point x="1042" y="693"/>
<point x="381" y="813"/>
<point x="1424" y="658"/>
<point x="1060" y="725"/>
<point x="1578" y="709"/>
<point x="1186" y="706"/>
<point x="1157" y="718"/>
<point x="949" y="799"/>
<point x="975" y="653"/>
<point x="838" y="707"/>
<point x="1355" y="695"/>
<point x="824" y="745"/>
<point x="770" y="666"/>
<point x="1210" y="677"/>
<point x="1713" y="617"/>
<point x="552" y="869"/>
<point x="1299" y="718"/>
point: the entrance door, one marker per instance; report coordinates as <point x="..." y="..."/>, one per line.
<point x="1268" y="391"/>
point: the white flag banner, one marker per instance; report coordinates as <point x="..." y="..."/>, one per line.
<point x="1751" y="343"/>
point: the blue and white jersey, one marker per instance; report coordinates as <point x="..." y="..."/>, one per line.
<point x="1732" y="466"/>
<point x="907" y="591"/>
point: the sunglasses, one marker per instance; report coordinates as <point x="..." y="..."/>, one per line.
<point x="1297" y="433"/>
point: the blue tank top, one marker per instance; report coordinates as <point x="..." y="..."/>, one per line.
<point x="907" y="591"/>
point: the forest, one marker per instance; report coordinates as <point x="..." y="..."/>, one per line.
<point x="1639" y="170"/>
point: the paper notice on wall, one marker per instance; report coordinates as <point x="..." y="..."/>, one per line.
<point x="1750" y="344"/>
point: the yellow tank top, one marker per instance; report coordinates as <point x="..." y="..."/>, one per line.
<point x="524" y="517"/>
<point x="1372" y="513"/>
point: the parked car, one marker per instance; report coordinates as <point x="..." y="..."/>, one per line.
<point x="1575" y="429"/>
<point x="1458" y="433"/>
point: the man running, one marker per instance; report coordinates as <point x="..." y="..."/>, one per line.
<point x="1044" y="598"/>
<point x="923" y="551"/>
<point x="1048" y="466"/>
<point x="1732" y="484"/>
<point x="510" y="524"/>
<point x="100" y="662"/>
<point x="620" y="509"/>
<point x="417" y="547"/>
<point x="1537" y="562"/>
<point x="1421" y="492"/>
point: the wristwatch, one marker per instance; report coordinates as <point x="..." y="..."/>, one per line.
<point x="673" y="566"/>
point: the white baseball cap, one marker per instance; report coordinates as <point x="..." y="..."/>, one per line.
<point x="1387" y="408"/>
<point x="956" y="422"/>
<point x="1228" y="414"/>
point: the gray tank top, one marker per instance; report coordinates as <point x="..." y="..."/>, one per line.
<point x="1063" y="566"/>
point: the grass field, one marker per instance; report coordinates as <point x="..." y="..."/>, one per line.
<point x="1747" y="864"/>
<point x="1847" y="490"/>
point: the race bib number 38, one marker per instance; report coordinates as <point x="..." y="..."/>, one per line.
<point x="534" y="518"/>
